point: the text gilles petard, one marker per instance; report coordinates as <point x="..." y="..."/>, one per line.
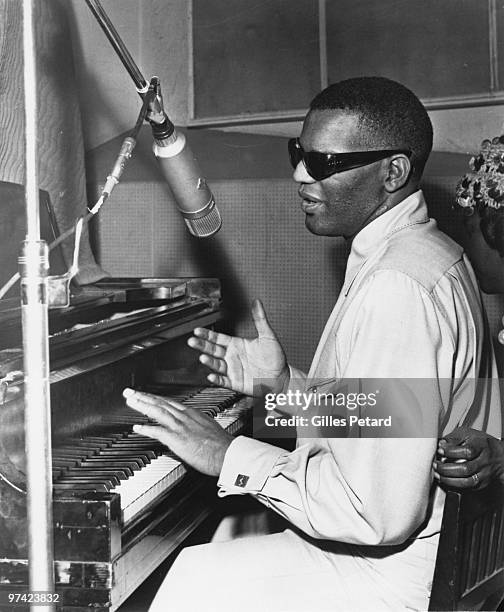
<point x="292" y="404"/>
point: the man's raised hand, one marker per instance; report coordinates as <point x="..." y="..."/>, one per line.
<point x="237" y="362"/>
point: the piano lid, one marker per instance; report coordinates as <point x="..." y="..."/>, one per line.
<point x="113" y="304"/>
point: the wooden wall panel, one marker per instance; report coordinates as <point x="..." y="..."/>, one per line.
<point x="437" y="48"/>
<point x="251" y="57"/>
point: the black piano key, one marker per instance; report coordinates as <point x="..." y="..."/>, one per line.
<point x="111" y="475"/>
<point x="59" y="462"/>
<point x="206" y="406"/>
<point x="67" y="458"/>
<point x="133" y="442"/>
<point x="148" y="442"/>
<point x="126" y="419"/>
<point x="88" y="480"/>
<point x="80" y="486"/>
<point x="135" y="438"/>
<point x="107" y="438"/>
<point x="94" y="446"/>
<point x="123" y="464"/>
<point x="120" y="467"/>
<point x="152" y="450"/>
<point x="144" y="455"/>
<point x="74" y="451"/>
<point x="83" y="446"/>
<point x="140" y="457"/>
<point x="211" y="412"/>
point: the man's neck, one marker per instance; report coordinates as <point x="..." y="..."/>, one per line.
<point x="390" y="202"/>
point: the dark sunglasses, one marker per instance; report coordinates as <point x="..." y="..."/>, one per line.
<point x="322" y="165"/>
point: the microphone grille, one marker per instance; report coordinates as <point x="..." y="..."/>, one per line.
<point x="206" y="225"/>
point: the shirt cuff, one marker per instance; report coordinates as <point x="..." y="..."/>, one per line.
<point x="247" y="466"/>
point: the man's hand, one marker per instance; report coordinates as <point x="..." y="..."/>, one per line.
<point x="236" y="362"/>
<point x="469" y="459"/>
<point x="196" y="438"/>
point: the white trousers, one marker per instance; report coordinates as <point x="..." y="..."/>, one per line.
<point x="286" y="572"/>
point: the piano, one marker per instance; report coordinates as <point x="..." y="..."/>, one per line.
<point x="122" y="502"/>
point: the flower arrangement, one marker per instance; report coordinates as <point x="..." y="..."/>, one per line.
<point x="484" y="185"/>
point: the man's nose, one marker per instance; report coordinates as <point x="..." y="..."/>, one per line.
<point x="301" y="174"/>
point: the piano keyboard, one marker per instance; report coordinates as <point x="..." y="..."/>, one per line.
<point x="138" y="468"/>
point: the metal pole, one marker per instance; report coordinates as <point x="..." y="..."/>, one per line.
<point x="34" y="265"/>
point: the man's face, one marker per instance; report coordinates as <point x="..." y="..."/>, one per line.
<point x="341" y="204"/>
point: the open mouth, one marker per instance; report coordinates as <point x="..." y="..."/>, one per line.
<point x="309" y="203"/>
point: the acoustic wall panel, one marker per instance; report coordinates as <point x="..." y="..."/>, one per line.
<point x="124" y="231"/>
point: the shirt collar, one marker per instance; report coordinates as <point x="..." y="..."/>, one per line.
<point x="410" y="211"/>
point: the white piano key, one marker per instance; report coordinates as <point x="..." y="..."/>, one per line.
<point x="147" y="484"/>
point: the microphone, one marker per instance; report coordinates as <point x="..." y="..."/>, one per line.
<point x="183" y="175"/>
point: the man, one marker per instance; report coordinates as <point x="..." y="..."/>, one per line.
<point x="365" y="517"/>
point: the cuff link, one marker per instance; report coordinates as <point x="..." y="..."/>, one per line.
<point x="241" y="480"/>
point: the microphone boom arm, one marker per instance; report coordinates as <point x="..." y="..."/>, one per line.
<point x="119" y="46"/>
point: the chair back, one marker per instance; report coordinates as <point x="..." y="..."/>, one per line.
<point x="469" y="572"/>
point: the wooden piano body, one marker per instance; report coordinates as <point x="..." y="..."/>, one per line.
<point x="108" y="540"/>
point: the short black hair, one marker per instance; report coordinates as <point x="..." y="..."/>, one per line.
<point x="391" y="116"/>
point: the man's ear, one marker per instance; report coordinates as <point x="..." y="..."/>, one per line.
<point x="398" y="172"/>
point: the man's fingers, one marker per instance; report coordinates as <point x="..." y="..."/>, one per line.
<point x="460" y="452"/>
<point x="161" y="409"/>
<point x="261" y="321"/>
<point x="484" y="477"/>
<point x="206" y="347"/>
<point x="220" y="381"/>
<point x="217" y="365"/>
<point x="153" y="412"/>
<point x="459" y="483"/>
<point x="154" y="400"/>
<point x="153" y="431"/>
<point x="457" y="470"/>
<point x="212" y="336"/>
<point x="478" y="480"/>
<point x="457" y="436"/>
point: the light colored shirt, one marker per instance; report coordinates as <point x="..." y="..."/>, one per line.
<point x="409" y="308"/>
